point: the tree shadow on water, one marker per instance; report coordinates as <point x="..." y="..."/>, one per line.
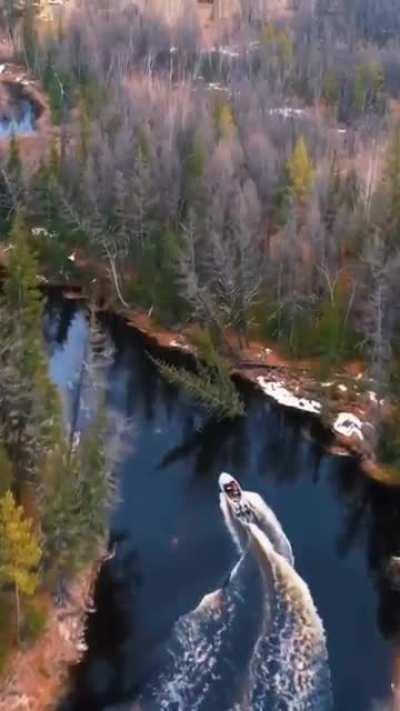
<point x="211" y="447"/>
<point x="98" y="680"/>
<point x="372" y="518"/>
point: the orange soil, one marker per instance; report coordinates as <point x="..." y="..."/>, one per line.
<point x="37" y="675"/>
<point x="260" y="358"/>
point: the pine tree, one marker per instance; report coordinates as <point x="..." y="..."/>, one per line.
<point x="393" y="179"/>
<point x="21" y="295"/>
<point x="225" y="121"/>
<point x="78" y="493"/>
<point x="194" y="167"/>
<point x="60" y="515"/>
<point x="30" y="416"/>
<point x="211" y="386"/>
<point x="6" y="471"/>
<point x="44" y="192"/>
<point x="331" y="88"/>
<point x="96" y="485"/>
<point x="78" y="487"/>
<point x="14" y="163"/>
<point x="368" y="84"/>
<point x="85" y="130"/>
<point x="13" y="175"/>
<point x="282" y="48"/>
<point x="29" y="35"/>
<point x="20" y="551"/>
<point x="301" y="171"/>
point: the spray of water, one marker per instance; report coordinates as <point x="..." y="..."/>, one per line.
<point x="289" y="669"/>
<point x="256" y="644"/>
<point x="198" y="656"/>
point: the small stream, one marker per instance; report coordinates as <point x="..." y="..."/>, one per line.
<point x="18" y="112"/>
<point x="173" y="547"/>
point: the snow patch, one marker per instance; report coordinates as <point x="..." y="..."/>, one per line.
<point x="42" y="232"/>
<point x="288" y="112"/>
<point x="176" y="344"/>
<point x="348" y="425"/>
<point x="283" y="396"/>
<point x="217" y="87"/>
<point x="229" y="52"/>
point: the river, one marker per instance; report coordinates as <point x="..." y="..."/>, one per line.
<point x="172" y="546"/>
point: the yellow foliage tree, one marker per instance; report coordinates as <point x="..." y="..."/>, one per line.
<point x="226" y="121"/>
<point x="301" y="171"/>
<point x="282" y="43"/>
<point x="20" y="551"/>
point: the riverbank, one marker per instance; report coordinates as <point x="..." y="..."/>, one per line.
<point x="344" y="404"/>
<point x="36" y="677"/>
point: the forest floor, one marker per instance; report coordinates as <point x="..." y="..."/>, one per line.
<point x="37" y="676"/>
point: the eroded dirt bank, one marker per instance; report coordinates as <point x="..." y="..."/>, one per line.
<point x="36" y="677"/>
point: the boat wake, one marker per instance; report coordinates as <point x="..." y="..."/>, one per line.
<point x="257" y="643"/>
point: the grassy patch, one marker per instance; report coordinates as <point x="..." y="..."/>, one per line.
<point x="35" y="620"/>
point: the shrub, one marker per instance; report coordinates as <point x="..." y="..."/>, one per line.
<point x="35" y="621"/>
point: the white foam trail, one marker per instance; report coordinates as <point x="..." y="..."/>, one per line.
<point x="289" y="670"/>
<point x="198" y="650"/>
<point x="284" y="666"/>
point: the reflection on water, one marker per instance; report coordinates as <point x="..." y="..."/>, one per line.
<point x="172" y="546"/>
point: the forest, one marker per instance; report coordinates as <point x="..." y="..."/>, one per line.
<point x="247" y="181"/>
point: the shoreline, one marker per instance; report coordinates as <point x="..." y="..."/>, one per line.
<point x="292" y="388"/>
<point x="37" y="677"/>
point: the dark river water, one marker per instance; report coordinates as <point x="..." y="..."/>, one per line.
<point x="172" y="546"/>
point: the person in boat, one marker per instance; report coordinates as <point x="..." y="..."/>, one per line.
<point x="250" y="507"/>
